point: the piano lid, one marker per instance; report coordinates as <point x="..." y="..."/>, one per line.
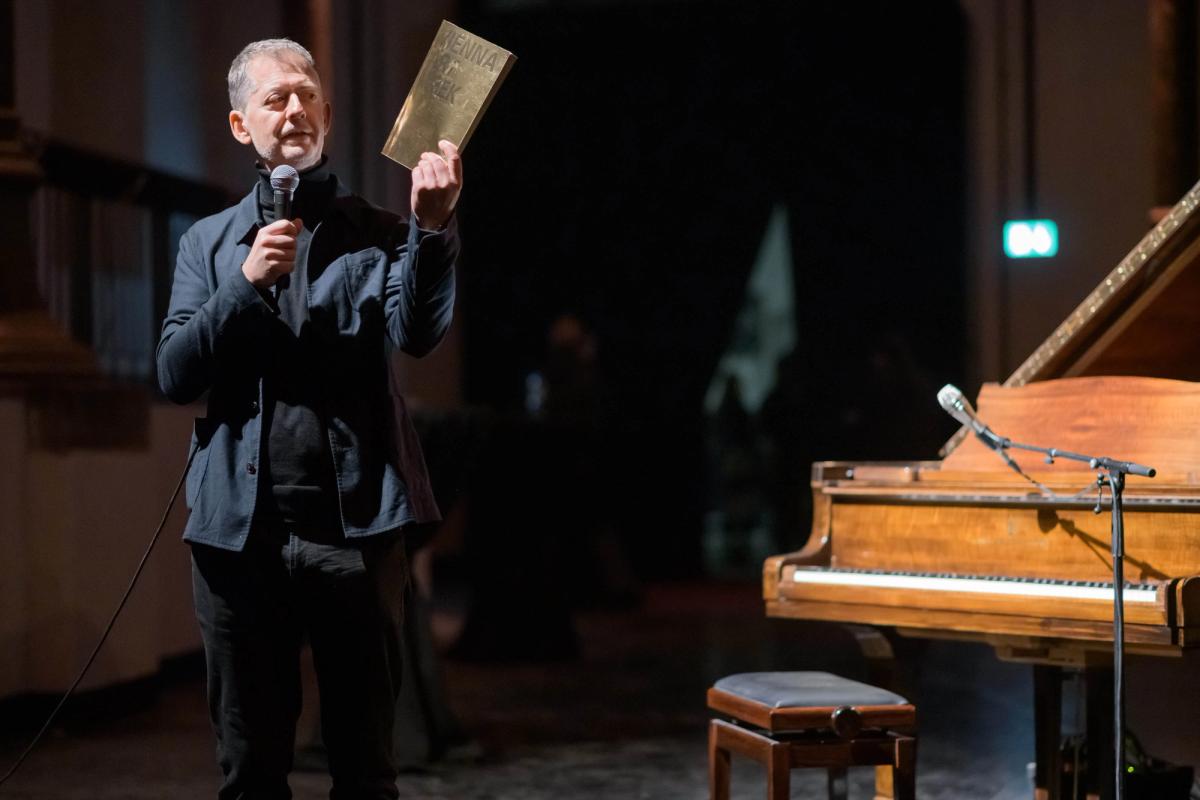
<point x="1153" y="421"/>
<point x="1138" y="321"/>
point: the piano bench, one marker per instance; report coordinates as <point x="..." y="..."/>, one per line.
<point x="785" y="720"/>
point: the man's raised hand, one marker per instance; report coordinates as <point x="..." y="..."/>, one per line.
<point x="273" y="254"/>
<point x="436" y="183"/>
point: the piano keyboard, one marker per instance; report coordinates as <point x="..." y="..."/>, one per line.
<point x="977" y="584"/>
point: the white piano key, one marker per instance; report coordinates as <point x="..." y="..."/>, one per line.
<point x="1032" y="587"/>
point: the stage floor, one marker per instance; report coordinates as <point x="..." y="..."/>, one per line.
<point x="625" y="719"/>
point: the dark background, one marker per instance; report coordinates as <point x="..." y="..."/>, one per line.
<point x="626" y="172"/>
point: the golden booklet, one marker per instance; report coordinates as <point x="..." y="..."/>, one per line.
<point x="456" y="83"/>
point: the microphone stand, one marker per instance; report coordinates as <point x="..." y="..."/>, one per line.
<point x="1113" y="474"/>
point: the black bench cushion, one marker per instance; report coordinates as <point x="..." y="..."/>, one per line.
<point x="805" y="690"/>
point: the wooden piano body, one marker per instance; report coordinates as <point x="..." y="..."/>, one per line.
<point x="966" y="548"/>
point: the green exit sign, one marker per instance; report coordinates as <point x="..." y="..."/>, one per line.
<point x="1030" y="238"/>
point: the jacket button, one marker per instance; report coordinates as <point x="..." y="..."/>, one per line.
<point x="251" y="468"/>
<point x="253" y="406"/>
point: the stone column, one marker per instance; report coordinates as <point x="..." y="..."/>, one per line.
<point x="31" y="343"/>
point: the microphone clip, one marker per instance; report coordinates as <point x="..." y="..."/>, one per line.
<point x="990" y="438"/>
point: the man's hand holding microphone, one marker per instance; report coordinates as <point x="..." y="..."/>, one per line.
<point x="273" y="254"/>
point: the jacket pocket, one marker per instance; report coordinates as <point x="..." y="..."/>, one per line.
<point x="364" y="275"/>
<point x="201" y="437"/>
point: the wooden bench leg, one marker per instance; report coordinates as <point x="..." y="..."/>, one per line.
<point x="779" y="772"/>
<point x="718" y="766"/>
<point x="898" y="781"/>
<point x="893" y="781"/>
<point x="904" y="773"/>
<point x="883" y="783"/>
<point x="839" y="784"/>
<point x="724" y="739"/>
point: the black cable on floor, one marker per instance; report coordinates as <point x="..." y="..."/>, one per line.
<point x="128" y="591"/>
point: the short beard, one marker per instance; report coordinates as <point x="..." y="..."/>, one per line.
<point x="310" y="160"/>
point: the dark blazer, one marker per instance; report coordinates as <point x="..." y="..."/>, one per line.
<point x="375" y="283"/>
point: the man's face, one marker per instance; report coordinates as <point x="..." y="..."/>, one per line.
<point x="286" y="116"/>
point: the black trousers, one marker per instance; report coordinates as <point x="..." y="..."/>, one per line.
<point x="255" y="608"/>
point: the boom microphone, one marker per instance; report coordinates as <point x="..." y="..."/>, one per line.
<point x="956" y="405"/>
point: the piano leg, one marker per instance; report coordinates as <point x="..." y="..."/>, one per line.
<point x="892" y="660"/>
<point x="1047" y="731"/>
<point x="1099" y="776"/>
<point x="1047" y="721"/>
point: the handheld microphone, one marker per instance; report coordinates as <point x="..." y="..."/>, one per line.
<point x="956" y="405"/>
<point x="284" y="181"/>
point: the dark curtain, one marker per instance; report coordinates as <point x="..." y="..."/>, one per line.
<point x="625" y="173"/>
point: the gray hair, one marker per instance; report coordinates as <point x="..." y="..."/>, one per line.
<point x="239" y="81"/>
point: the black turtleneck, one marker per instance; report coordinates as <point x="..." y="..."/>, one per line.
<point x="312" y="199"/>
<point x="297" y="483"/>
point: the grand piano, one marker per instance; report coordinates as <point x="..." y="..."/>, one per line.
<point x="966" y="548"/>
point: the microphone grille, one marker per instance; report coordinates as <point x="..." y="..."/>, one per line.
<point x="285" y="178"/>
<point x="949" y="396"/>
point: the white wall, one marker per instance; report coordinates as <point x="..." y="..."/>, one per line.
<point x="74" y="525"/>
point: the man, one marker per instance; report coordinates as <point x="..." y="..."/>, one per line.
<point x="305" y="470"/>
